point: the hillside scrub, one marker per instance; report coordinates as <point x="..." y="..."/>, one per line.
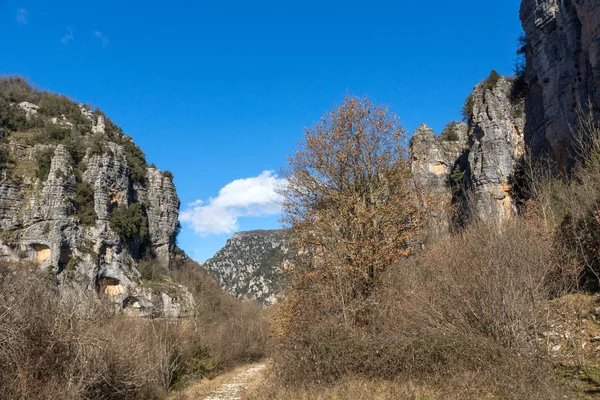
<point x="568" y="203"/>
<point x="366" y="302"/>
<point x="471" y="305"/>
<point x="76" y="137"/>
<point x="76" y="347"/>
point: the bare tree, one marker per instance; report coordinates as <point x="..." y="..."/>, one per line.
<point x="350" y="201"/>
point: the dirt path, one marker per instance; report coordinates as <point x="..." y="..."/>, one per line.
<point x="234" y="388"/>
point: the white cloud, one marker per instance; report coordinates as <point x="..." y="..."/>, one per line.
<point x="68" y="36"/>
<point x="102" y="37"/>
<point x="22" y="16"/>
<point x="250" y="197"/>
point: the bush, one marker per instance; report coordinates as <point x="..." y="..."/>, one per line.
<point x="151" y="270"/>
<point x="44" y="163"/>
<point x="568" y="203"/>
<point x="71" y="347"/>
<point x="136" y="159"/>
<point x="76" y="148"/>
<point x="130" y="222"/>
<point x="56" y="105"/>
<point x="168" y="174"/>
<point x="12" y="118"/>
<point x="16" y="89"/>
<point x="60" y="348"/>
<point x="488" y="84"/>
<point x="472" y="304"/>
<point x="491" y="81"/>
<point x="84" y="203"/>
<point x="449" y="133"/>
<point x="467" y="110"/>
<point x="56" y="132"/>
<point x="235" y="332"/>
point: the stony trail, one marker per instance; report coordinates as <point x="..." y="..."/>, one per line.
<point x="234" y="388"/>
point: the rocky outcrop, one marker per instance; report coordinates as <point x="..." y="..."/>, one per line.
<point x="476" y="165"/>
<point x="163" y="212"/>
<point x="496" y="126"/>
<point x="563" y="72"/>
<point x="434" y="159"/>
<point x="58" y="193"/>
<point x="251" y="265"/>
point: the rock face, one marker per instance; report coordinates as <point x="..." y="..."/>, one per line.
<point x="563" y="71"/>
<point x="495" y="134"/>
<point x="65" y="178"/>
<point x="476" y="164"/>
<point x="434" y="159"/>
<point x="251" y="265"/>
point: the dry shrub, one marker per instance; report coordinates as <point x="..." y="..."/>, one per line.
<point x="234" y="331"/>
<point x="73" y="347"/>
<point x="567" y="201"/>
<point x="471" y="305"/>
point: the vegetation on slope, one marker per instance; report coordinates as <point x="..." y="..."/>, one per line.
<point x="69" y="127"/>
<point x="478" y="314"/>
<point x="73" y="348"/>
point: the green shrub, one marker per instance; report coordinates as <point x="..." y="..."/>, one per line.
<point x="97" y="146"/>
<point x="84" y="203"/>
<point x="151" y="270"/>
<point x="168" y="174"/>
<point x="72" y="264"/>
<point x="449" y="133"/>
<point x="44" y="163"/>
<point x="130" y="222"/>
<point x="56" y="105"/>
<point x="136" y="159"/>
<point x="56" y="132"/>
<point x="467" y="110"/>
<point x="76" y="148"/>
<point x="16" y="89"/>
<point x="5" y="158"/>
<point x="12" y="118"/>
<point x="492" y="80"/>
<point x="519" y="89"/>
<point x="457" y="176"/>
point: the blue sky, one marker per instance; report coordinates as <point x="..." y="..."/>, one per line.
<point x="220" y="92"/>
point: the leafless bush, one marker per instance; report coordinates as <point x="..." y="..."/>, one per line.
<point x="233" y="330"/>
<point x="73" y="347"/>
<point x="474" y="303"/>
<point x="568" y="201"/>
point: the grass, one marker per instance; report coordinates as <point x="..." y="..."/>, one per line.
<point x="365" y="389"/>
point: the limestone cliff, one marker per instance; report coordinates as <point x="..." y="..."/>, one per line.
<point x="251" y="265"/>
<point x="78" y="199"/>
<point x="496" y="124"/>
<point x="563" y="71"/>
<point x="435" y="161"/>
<point x="477" y="164"/>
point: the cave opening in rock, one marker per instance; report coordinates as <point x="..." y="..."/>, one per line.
<point x="109" y="286"/>
<point x="41" y="253"/>
<point x="130" y="301"/>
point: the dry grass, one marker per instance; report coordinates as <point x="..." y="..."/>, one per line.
<point x="472" y="305"/>
<point x="355" y="389"/>
<point x="465" y="386"/>
<point x="75" y="347"/>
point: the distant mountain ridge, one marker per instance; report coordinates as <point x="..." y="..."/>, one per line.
<point x="252" y="263"/>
